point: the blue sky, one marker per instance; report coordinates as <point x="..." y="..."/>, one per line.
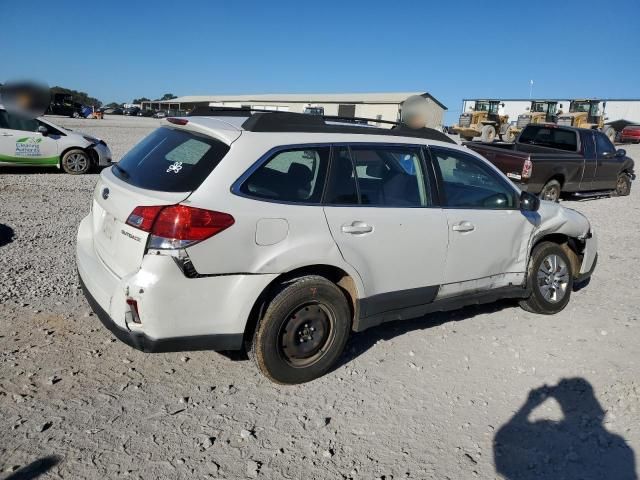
<point x="453" y="49"/>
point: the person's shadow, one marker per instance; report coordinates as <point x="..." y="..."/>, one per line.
<point x="576" y="447"/>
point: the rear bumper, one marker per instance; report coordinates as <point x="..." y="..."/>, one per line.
<point x="176" y="313"/>
<point x="142" y="342"/>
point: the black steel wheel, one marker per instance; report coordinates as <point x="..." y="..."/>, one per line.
<point x="303" y="331"/>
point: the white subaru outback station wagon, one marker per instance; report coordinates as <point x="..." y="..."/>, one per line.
<point x="282" y="233"/>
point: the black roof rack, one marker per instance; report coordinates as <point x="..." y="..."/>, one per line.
<point x="278" y="121"/>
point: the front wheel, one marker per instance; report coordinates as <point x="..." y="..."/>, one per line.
<point x="623" y="185"/>
<point x="488" y="134"/>
<point x="509" y="136"/>
<point x="76" y="162"/>
<point x="303" y="331"/>
<point x="550" y="279"/>
<point x="551" y="191"/>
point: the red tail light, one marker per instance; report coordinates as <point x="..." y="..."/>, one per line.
<point x="527" y="168"/>
<point x="178" y="121"/>
<point x="177" y="226"/>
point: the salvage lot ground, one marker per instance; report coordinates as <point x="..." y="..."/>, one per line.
<point x="421" y="399"/>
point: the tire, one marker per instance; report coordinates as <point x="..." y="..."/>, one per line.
<point x="550" y="286"/>
<point x="76" y="162"/>
<point x="303" y="331"/>
<point x="551" y="191"/>
<point x="623" y="185"/>
<point x="508" y="136"/>
<point x="610" y="132"/>
<point x="488" y="134"/>
<point x="75" y="115"/>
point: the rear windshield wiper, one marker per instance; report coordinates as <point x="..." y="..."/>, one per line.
<point x="124" y="173"/>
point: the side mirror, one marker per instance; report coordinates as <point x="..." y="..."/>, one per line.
<point x="43" y="130"/>
<point x="527" y="109"/>
<point x="502" y="105"/>
<point x="561" y="106"/>
<point x="529" y="202"/>
<point x="621" y="152"/>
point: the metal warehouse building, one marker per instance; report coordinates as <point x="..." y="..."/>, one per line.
<point x="381" y="106"/>
<point x="615" y="108"/>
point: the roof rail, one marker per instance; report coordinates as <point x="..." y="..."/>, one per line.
<point x="278" y="121"/>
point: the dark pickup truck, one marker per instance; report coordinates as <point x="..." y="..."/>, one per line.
<point x="548" y="160"/>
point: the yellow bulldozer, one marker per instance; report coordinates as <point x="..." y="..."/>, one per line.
<point x="540" y="111"/>
<point x="484" y="121"/>
<point x="587" y="114"/>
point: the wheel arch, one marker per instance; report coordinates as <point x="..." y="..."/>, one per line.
<point x="345" y="282"/>
<point x="572" y="246"/>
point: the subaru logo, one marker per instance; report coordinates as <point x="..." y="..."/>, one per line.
<point x="105" y="193"/>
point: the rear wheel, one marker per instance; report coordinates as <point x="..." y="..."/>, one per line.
<point x="76" y="162"/>
<point x="623" y="185"/>
<point x="551" y="191"/>
<point x="303" y="331"/>
<point x="488" y="133"/>
<point x="550" y="279"/>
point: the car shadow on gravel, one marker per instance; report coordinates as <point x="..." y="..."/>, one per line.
<point x="577" y="446"/>
<point x="6" y="234"/>
<point x="359" y="343"/>
<point x="35" y="469"/>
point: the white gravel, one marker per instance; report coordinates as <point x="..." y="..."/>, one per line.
<point x="421" y="399"/>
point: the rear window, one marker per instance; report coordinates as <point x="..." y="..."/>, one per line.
<point x="550" y="137"/>
<point x="171" y="160"/>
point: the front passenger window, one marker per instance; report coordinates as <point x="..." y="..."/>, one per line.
<point x="468" y="183"/>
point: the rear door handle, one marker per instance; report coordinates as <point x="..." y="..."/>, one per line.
<point x="357" y="228"/>
<point x="463" y="227"/>
<point x="5" y="134"/>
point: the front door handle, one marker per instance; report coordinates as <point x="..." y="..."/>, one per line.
<point x="357" y="228"/>
<point x="5" y="134"/>
<point x="463" y="227"/>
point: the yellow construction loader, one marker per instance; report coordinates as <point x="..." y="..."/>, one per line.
<point x="484" y="120"/>
<point x="587" y="113"/>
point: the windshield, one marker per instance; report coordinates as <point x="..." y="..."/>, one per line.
<point x="482" y="106"/>
<point x="580" y="106"/>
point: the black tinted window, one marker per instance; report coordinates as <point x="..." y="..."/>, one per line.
<point x="550" y="137"/>
<point x="603" y="144"/>
<point x="341" y="186"/>
<point x="390" y="176"/>
<point x="171" y="160"/>
<point x="295" y="175"/>
<point x="14" y="122"/>
<point x="468" y="183"/>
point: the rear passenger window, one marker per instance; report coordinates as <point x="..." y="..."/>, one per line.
<point x="603" y="144"/>
<point x="390" y="176"/>
<point x="295" y="175"/>
<point x="386" y="176"/>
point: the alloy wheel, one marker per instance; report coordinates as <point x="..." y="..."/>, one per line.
<point x="553" y="278"/>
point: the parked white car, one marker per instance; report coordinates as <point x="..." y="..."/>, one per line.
<point x="282" y="234"/>
<point x="38" y="142"/>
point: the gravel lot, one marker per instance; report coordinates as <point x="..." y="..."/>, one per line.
<point x="451" y="396"/>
